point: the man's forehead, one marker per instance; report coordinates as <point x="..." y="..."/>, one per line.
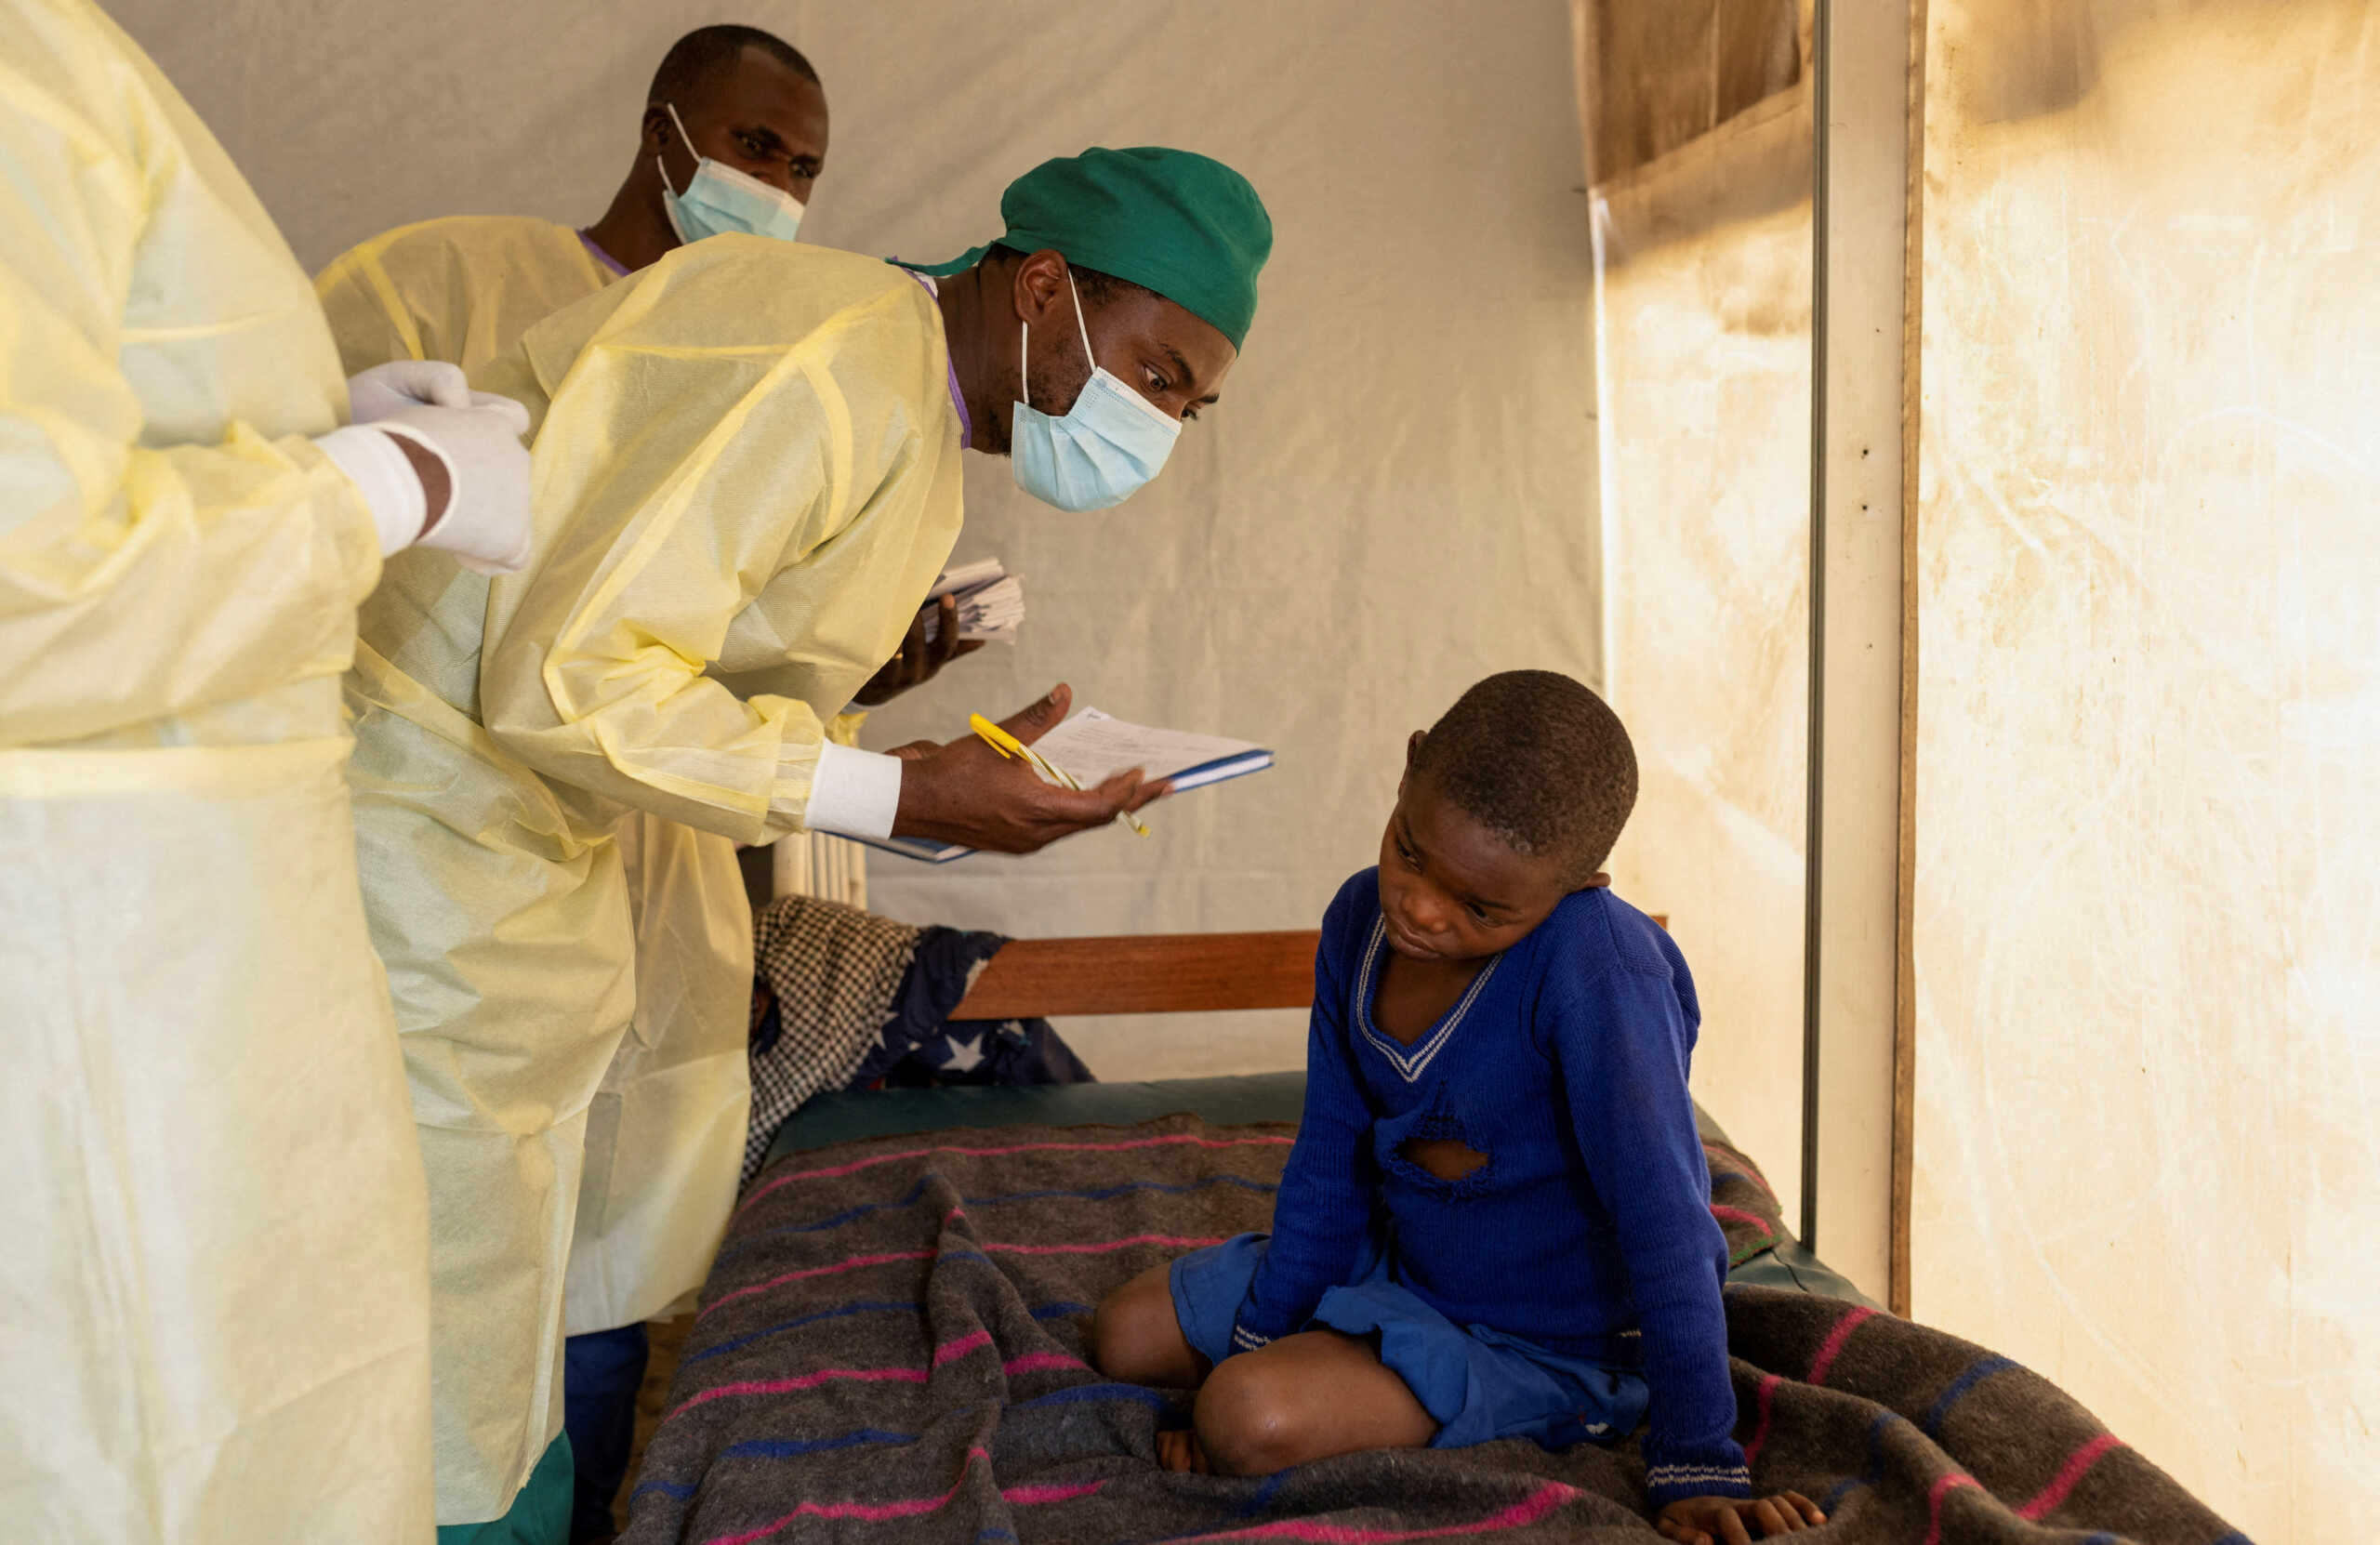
<point x="761" y="82"/>
<point x="1196" y="348"/>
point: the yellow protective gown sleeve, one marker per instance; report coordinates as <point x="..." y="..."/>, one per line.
<point x="461" y="289"/>
<point x="161" y="506"/>
<point x="711" y="582"/>
<point x="495" y="885"/>
<point x="214" y="1315"/>
<point x="665" y="1132"/>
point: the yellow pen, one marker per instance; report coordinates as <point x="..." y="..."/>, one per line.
<point x="1014" y="749"/>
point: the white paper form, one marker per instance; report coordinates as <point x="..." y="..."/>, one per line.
<point x="1095" y="747"/>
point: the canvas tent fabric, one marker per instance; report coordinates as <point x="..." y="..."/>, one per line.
<point x="2148" y="726"/>
<point x="1702" y="331"/>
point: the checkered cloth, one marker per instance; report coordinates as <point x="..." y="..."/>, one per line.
<point x="832" y="971"/>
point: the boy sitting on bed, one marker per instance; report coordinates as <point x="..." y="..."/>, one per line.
<point x="1496" y="1222"/>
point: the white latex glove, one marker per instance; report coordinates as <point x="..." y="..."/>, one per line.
<point x="484" y="520"/>
<point x="486" y="524"/>
<point x="388" y="388"/>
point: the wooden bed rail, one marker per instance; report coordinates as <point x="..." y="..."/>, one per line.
<point x="1151" y="973"/>
<point x="1147" y="973"/>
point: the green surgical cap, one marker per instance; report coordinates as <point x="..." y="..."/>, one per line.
<point x="1189" y="228"/>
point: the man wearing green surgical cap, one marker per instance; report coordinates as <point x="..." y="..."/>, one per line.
<point x="746" y="479"/>
<point x="1176" y="240"/>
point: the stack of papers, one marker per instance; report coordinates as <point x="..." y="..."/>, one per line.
<point x="1094" y="746"/>
<point x="991" y="601"/>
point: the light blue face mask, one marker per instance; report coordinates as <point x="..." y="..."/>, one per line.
<point x="720" y="198"/>
<point x="1110" y="443"/>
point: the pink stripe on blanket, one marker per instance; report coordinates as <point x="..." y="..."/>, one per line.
<point x="1942" y="1488"/>
<point x="877" y="1512"/>
<point x="951" y="1350"/>
<point x="1544" y="1500"/>
<point x="1173" y="1141"/>
<point x="852" y="1264"/>
<point x="804" y="1381"/>
<point x="1099" y="1246"/>
<point x="2077" y="1465"/>
<point x="1832" y="1345"/>
<point x="1737" y="1214"/>
<point x="1025" y="1496"/>
<point x="1765" y="1398"/>
<point x="1032" y="1362"/>
<point x="1750" y="1173"/>
<point x="1103" y="1245"/>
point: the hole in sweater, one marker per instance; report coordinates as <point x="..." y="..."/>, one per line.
<point x="1446" y="1157"/>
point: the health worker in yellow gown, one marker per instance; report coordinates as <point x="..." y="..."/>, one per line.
<point x="746" y="478"/>
<point x="733" y="136"/>
<point x="214" y="1293"/>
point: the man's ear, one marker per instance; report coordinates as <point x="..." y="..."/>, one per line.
<point x="655" y="131"/>
<point x="1037" y="283"/>
<point x="1414" y="746"/>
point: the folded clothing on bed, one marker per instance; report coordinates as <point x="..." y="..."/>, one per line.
<point x="842" y="999"/>
<point x="891" y="1342"/>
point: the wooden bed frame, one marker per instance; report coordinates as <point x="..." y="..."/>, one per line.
<point x="1147" y="973"/>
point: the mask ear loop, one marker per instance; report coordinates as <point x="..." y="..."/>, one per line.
<point x="1025" y="358"/>
<point x="1024" y="338"/>
<point x="662" y="165"/>
<point x="1079" y="325"/>
<point x="1126" y="393"/>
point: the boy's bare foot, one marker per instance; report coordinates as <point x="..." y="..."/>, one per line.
<point x="1179" y="1452"/>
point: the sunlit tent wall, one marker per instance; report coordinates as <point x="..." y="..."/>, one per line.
<point x="1698" y="119"/>
<point x="1395" y="498"/>
<point x="2148" y="861"/>
<point x="2145" y="725"/>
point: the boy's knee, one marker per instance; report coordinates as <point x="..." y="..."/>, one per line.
<point x="1131" y="1331"/>
<point x="1252" y="1419"/>
<point x="1110" y="1338"/>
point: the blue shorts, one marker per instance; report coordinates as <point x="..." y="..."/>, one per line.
<point x="1477" y="1384"/>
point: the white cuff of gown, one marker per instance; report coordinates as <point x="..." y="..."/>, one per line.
<point x="384" y="477"/>
<point x="854" y="793"/>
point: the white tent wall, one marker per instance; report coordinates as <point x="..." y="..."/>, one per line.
<point x="1396" y="497"/>
<point x="2148" y="729"/>
<point x="1703" y="375"/>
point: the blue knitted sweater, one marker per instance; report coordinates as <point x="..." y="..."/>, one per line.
<point x="1589" y="1229"/>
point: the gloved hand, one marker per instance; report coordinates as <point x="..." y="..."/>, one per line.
<point x="486" y="521"/>
<point x="388" y="388"/>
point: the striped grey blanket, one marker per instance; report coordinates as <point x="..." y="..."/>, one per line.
<point x="890" y="1351"/>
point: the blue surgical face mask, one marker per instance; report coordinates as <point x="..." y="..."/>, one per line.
<point x="720" y="198"/>
<point x="1110" y="443"/>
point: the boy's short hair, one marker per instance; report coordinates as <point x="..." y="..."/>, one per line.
<point x="1540" y="761"/>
